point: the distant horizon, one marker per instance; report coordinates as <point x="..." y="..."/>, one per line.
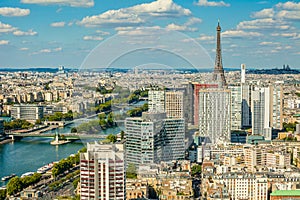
<point x="261" y="33"/>
<point x="128" y="69"/>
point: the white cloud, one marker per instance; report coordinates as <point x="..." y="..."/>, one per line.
<point x="4" y="42"/>
<point x="48" y="50"/>
<point x="24" y="49"/>
<point x="268" y="43"/>
<point x="14" y="12"/>
<point x="266" y="23"/>
<point x="289" y="6"/>
<point x="287" y="35"/>
<point x="176" y="27"/>
<point x="192" y="21"/>
<point x="96" y="38"/>
<point x="136" y="15"/>
<point x="116" y="17"/>
<point x="293" y="15"/>
<point x="6" y="28"/>
<point x="205" y="38"/>
<point x="160" y="8"/>
<point x="102" y="32"/>
<point x="24" y="33"/>
<point x="45" y="51"/>
<point x="212" y="3"/>
<point x="265" y="13"/>
<point x="139" y="31"/>
<point x="72" y="3"/>
<point x="58" y="24"/>
<point x="57" y="49"/>
<point x="240" y="34"/>
<point x="283" y="47"/>
<point x="124" y="28"/>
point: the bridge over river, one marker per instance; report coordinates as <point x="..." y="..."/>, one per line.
<point x="70" y="136"/>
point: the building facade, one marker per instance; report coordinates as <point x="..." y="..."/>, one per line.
<point x="156" y="101"/>
<point x="102" y="172"/>
<point x="153" y="138"/>
<point x="215" y="115"/>
<point x="236" y="107"/>
<point x="174" y="104"/>
<point x="29" y="112"/>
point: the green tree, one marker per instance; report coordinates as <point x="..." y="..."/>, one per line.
<point x="2" y="194"/>
<point x="110" y="119"/>
<point x="75" y="182"/>
<point x="112" y="138"/>
<point x="14" y="185"/>
<point x="131" y="171"/>
<point x="38" y="121"/>
<point x="73" y="130"/>
<point x="101" y="116"/>
<point x="103" y="123"/>
<point x="289" y="126"/>
<point x="122" y="135"/>
<point x="196" y="169"/>
<point x="17" y="124"/>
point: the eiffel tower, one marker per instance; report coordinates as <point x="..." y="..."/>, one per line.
<point x="218" y="74"/>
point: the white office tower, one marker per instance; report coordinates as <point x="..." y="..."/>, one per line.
<point x="276" y="111"/>
<point x="260" y="99"/>
<point x="215" y="115"/>
<point x="174" y="104"/>
<point x="243" y="73"/>
<point x="102" y="172"/>
<point x="153" y="138"/>
<point x="267" y="110"/>
<point x="236" y="107"/>
<point x="156" y="101"/>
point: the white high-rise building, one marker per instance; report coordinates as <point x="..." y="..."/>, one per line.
<point x="276" y="111"/>
<point x="236" y="107"/>
<point x="156" y="101"/>
<point x="260" y="112"/>
<point x="266" y="107"/>
<point x="102" y="172"/>
<point x="243" y="73"/>
<point x="215" y="115"/>
<point x="153" y="138"/>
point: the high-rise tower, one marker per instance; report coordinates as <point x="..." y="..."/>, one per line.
<point x="218" y="75"/>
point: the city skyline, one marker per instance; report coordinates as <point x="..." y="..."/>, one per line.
<point x="49" y="33"/>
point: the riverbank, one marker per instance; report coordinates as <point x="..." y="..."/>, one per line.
<point x="5" y="141"/>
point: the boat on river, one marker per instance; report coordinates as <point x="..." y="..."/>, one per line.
<point x="27" y="174"/>
<point x="45" y="168"/>
<point x="6" y="178"/>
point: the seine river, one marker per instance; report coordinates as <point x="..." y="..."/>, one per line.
<point x="29" y="154"/>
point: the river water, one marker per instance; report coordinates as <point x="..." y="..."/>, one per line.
<point x="29" y="154"/>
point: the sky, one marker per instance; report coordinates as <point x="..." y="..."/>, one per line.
<point x="129" y="33"/>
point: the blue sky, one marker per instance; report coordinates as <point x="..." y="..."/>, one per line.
<point x="49" y="33"/>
